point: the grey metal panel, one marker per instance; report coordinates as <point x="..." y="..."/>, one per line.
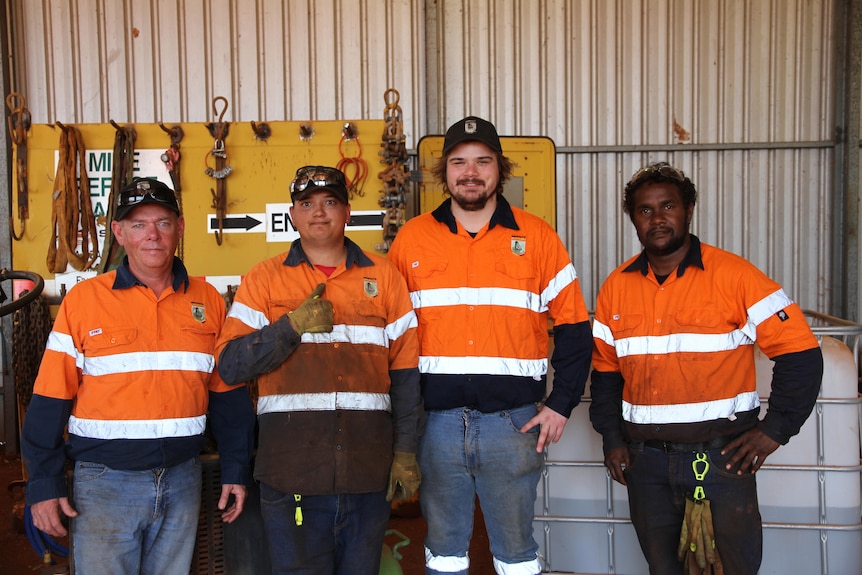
<point x="92" y="61"/>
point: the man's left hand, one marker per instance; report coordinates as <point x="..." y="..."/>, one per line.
<point x="239" y="492"/>
<point x="551" y="425"/>
<point x="752" y="449"/>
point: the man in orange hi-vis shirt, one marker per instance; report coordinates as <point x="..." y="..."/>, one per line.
<point x="130" y="367"/>
<point x="484" y="277"/>
<point x="673" y="388"/>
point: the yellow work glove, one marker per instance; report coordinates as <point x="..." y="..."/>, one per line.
<point x="404" y="477"/>
<point x="697" y="549"/>
<point x="314" y="315"/>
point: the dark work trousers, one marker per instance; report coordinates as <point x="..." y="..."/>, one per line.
<point x="658" y="482"/>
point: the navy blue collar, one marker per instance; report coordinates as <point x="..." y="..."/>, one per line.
<point x="355" y="255"/>
<point x="693" y="257"/>
<point x="502" y="215"/>
<point x="126" y="279"/>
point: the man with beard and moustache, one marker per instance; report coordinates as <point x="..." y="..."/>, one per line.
<point x="673" y="388"/>
<point x="484" y="277"/>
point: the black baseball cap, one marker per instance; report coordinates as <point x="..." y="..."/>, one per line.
<point x="310" y="179"/>
<point x="142" y="191"/>
<point x="472" y="129"/>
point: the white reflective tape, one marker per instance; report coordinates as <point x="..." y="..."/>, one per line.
<point x="446" y="564"/>
<point x="561" y="281"/>
<point x="534" y="368"/>
<point x="603" y="333"/>
<point x="691" y="412"/>
<point x="137" y="429"/>
<point x="401" y="325"/>
<point x="341" y="333"/>
<point x="148" y="361"/>
<point x="62" y="343"/>
<point x="522" y="568"/>
<point x="251" y="317"/>
<point x="768" y="306"/>
<point x="504" y="297"/>
<point x="680" y="342"/>
<point x="324" y="402"/>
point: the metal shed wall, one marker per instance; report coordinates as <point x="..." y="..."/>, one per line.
<point x="738" y="93"/>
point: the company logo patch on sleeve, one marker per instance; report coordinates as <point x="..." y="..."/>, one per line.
<point x="199" y="312"/>
<point x="782" y="315"/>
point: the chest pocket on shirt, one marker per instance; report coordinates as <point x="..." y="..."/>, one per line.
<point x="426" y="268"/>
<point x="516" y="267"/>
<point x="626" y="325"/>
<point x="369" y="313"/>
<point x="689" y="319"/>
<point x="109" y="338"/>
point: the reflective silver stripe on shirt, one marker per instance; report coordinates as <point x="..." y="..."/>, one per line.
<point x="355" y="401"/>
<point x="137" y="429"/>
<point x="534" y="368"/>
<point x="148" y="361"/>
<point x="691" y="412"/>
<point x="505" y="297"/>
<point x="249" y="316"/>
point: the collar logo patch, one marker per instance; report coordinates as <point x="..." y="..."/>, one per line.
<point x="519" y="246"/>
<point x="199" y="312"/>
<point x="370" y="287"/>
<point x="782" y="315"/>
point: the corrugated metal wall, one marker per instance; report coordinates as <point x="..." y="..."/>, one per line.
<point x="738" y="93"/>
<point x="91" y="61"/>
<point x="735" y="92"/>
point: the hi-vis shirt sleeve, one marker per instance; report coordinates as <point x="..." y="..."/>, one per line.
<point x="562" y="290"/>
<point x="401" y="322"/>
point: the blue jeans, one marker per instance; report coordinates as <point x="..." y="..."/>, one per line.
<point x="657" y="486"/>
<point x="135" y="522"/>
<point x="339" y="535"/>
<point x="464" y="454"/>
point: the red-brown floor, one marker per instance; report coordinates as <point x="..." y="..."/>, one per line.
<point x="19" y="558"/>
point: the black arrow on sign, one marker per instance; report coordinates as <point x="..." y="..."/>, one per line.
<point x="366" y="220"/>
<point x="236" y="223"/>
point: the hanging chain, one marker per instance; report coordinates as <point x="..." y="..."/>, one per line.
<point x="395" y="176"/>
<point x="222" y="170"/>
<point x="31" y="327"/>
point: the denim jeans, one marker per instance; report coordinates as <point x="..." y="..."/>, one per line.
<point x="657" y="486"/>
<point x="135" y="522"/>
<point x="339" y="534"/>
<point x="464" y="454"/>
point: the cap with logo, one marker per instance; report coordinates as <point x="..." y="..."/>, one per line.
<point x="472" y="129"/>
<point x="142" y="191"/>
<point x="310" y="179"/>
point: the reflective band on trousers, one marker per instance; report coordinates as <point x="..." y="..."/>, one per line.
<point x="133" y="429"/>
<point x="324" y="402"/>
<point x="455" y="564"/>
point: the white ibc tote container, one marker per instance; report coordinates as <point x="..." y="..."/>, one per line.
<point x="810" y="490"/>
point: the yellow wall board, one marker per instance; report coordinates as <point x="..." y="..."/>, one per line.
<point x="257" y="187"/>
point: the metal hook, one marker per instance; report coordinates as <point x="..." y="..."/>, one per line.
<point x="215" y="109"/>
<point x="175" y="132"/>
<point x="10" y="99"/>
<point x="261" y="131"/>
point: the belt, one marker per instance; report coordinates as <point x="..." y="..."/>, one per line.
<point x="674" y="447"/>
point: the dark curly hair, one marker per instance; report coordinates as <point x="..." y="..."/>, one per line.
<point x="657" y="173"/>
<point x="504" y="164"/>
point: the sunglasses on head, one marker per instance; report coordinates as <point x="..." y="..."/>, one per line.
<point x="662" y="169"/>
<point x="144" y="189"/>
<point x="320" y="176"/>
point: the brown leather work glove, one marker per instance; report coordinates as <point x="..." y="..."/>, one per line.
<point x="404" y="477"/>
<point x="314" y="315"/>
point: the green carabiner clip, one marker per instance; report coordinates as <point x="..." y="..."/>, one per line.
<point x="698" y="459"/>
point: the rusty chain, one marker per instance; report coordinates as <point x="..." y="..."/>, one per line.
<point x="395" y="176"/>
